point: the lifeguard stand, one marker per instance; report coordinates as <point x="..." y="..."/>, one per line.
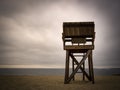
<point x="78" y="41"/>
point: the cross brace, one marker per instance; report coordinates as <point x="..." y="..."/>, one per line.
<point x="89" y="76"/>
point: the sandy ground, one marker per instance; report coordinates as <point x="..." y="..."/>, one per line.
<point x="56" y="83"/>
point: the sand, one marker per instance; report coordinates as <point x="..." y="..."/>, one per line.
<point x="56" y="83"/>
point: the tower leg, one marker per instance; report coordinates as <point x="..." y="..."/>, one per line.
<point x="89" y="66"/>
<point x="84" y="70"/>
<point x="92" y="71"/>
<point x="66" y="67"/>
<point x="73" y="68"/>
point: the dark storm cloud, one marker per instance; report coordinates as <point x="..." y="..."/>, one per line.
<point x="30" y="30"/>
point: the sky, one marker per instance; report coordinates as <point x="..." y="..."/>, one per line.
<point x="31" y="31"/>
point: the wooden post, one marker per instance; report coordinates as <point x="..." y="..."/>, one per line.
<point x="66" y="67"/>
<point x="89" y="66"/>
<point x="92" y="71"/>
<point x="73" y="69"/>
<point x="84" y="70"/>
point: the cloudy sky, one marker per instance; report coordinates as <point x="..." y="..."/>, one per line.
<point x="30" y="31"/>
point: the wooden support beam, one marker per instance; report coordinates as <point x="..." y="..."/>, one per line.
<point x="79" y="66"/>
<point x="84" y="70"/>
<point x="89" y="66"/>
<point x="73" y="69"/>
<point x="88" y="77"/>
<point x="69" y="40"/>
<point x="76" y="47"/>
<point x="67" y="67"/>
<point x="78" y="55"/>
<point x="92" y="71"/>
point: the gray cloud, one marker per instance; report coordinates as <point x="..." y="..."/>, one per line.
<point x="111" y="9"/>
<point x="30" y="31"/>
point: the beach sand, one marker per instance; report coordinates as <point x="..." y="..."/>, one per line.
<point x="57" y="83"/>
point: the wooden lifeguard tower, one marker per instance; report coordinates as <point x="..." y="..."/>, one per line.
<point x="78" y="41"/>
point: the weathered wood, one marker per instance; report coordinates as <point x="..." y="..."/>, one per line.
<point x="78" y="29"/>
<point x="92" y="71"/>
<point x="73" y="69"/>
<point x="82" y="69"/>
<point x="78" y="40"/>
<point x="67" y="67"/>
<point x="78" y="55"/>
<point x="79" y="66"/>
<point x="89" y="66"/>
<point x="78" y="37"/>
<point x="76" y="47"/>
<point x="70" y="40"/>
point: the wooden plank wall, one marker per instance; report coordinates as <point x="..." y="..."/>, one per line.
<point x="78" y="28"/>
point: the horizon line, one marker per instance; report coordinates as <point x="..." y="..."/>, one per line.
<point x="49" y="66"/>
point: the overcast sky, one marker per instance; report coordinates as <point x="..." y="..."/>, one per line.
<point x="30" y="31"/>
